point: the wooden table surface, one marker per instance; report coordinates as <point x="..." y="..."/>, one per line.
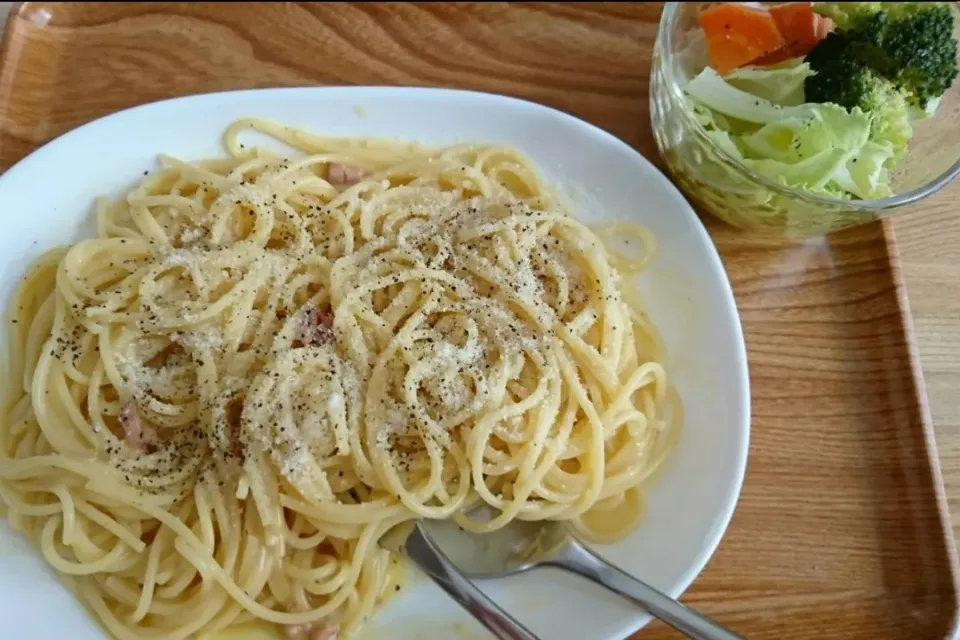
<point x="929" y="246"/>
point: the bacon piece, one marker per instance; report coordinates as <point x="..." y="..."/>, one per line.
<point x="343" y="175"/>
<point x="161" y="357"/>
<point x="318" y="631"/>
<point x="135" y="433"/>
<point x="317" y="329"/>
<point x="324" y="632"/>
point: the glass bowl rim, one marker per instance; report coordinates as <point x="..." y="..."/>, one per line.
<point x="663" y="51"/>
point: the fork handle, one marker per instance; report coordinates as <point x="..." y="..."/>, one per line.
<point x="580" y="560"/>
<point x="434" y="563"/>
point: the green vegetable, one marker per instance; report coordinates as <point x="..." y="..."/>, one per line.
<point x="845" y="14"/>
<point x="819" y="148"/>
<point x="815" y="174"/>
<point x="781" y="84"/>
<point x="866" y="175"/>
<point x="909" y="44"/>
<point x="843" y="80"/>
<point x="713" y="92"/>
<point x="794" y="140"/>
<point x="851" y="15"/>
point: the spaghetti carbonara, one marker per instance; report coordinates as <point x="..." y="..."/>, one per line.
<point x="262" y="363"/>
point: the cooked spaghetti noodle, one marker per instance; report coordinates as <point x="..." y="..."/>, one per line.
<point x="261" y="364"/>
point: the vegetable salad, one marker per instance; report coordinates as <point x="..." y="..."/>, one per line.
<point x="822" y="97"/>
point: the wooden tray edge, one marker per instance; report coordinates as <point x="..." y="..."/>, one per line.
<point x="12" y="15"/>
<point x="929" y="433"/>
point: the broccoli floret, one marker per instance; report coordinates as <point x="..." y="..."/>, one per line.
<point x="839" y="76"/>
<point x="921" y="52"/>
<point x="910" y="44"/>
<point x="847" y="14"/>
<point x="843" y="79"/>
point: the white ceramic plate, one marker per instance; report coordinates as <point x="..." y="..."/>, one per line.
<point x="47" y="200"/>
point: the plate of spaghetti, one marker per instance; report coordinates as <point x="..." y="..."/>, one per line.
<point x="248" y="333"/>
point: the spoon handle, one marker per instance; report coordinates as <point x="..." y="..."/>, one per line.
<point x="431" y="561"/>
<point x="580" y="560"/>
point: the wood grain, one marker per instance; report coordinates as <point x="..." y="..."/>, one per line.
<point x="838" y="534"/>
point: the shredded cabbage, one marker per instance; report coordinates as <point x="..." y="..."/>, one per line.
<point x="819" y="148"/>
<point x="781" y="84"/>
<point x="712" y="91"/>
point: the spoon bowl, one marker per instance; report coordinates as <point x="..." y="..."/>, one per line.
<point x="518" y="547"/>
<point x="522" y="546"/>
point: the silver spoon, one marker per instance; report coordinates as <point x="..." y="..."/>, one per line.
<point x="411" y="540"/>
<point x="521" y="546"/>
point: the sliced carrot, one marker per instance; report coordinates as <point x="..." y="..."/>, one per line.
<point x="800" y="26"/>
<point x="738" y="34"/>
<point x="794" y="49"/>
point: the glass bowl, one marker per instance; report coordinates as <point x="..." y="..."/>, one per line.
<point x="724" y="187"/>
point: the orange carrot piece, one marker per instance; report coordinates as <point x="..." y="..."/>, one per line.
<point x="800" y="26"/>
<point x="737" y="34"/>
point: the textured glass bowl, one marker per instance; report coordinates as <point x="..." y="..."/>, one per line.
<point x="721" y="185"/>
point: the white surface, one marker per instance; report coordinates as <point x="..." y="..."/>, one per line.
<point x="49" y="197"/>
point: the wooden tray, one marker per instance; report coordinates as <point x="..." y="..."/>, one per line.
<point x="841" y="530"/>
